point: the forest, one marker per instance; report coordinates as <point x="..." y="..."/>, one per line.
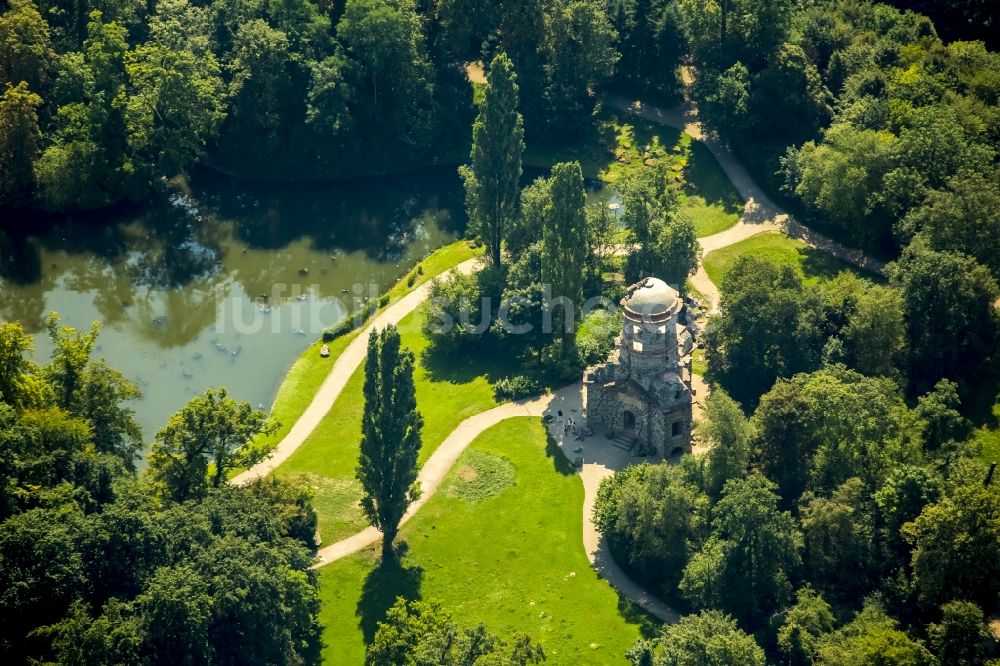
<point x="845" y="513"/>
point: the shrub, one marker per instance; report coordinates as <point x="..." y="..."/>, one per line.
<point x="596" y="336"/>
<point x="516" y="388"/>
<point x="453" y="311"/>
<point x="356" y="320"/>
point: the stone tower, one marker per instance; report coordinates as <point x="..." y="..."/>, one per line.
<point x="641" y="396"/>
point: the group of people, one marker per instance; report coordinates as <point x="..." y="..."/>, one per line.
<point x="569" y="424"/>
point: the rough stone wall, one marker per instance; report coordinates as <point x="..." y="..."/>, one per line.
<point x="606" y="409"/>
<point x="646" y="384"/>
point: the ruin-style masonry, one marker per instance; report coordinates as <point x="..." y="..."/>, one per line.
<point x="641" y="397"/>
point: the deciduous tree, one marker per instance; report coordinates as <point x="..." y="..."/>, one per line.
<point x="951" y="327"/>
<point x="745" y="565"/>
<point x="808" y="619"/>
<point x="421" y="632"/>
<point x="726" y="430"/>
<point x="211" y="429"/>
<point x="871" y="637"/>
<point x="174" y="107"/>
<point x="26" y="52"/>
<point x="961" y="636"/>
<point x="708" y="638"/>
<point x="19" y="141"/>
<point x="956" y="548"/>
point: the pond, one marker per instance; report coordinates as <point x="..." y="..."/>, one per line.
<point x="217" y="282"/>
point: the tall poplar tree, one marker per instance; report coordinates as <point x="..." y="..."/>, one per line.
<point x="491" y="183"/>
<point x="390" y="436"/>
<point x="564" y="241"/>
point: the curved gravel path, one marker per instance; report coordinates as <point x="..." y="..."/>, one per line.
<point x="436" y="468"/>
<point x="599" y="458"/>
<point x="760" y="214"/>
<point x="343" y="367"/>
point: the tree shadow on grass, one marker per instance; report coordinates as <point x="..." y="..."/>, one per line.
<point x="705" y="178"/>
<point x="817" y="263"/>
<point x="559" y="460"/>
<point x="633" y="613"/>
<point x="593" y="147"/>
<point x="458" y="368"/>
<point x="387" y="582"/>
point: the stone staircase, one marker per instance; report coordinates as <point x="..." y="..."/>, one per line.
<point x="624" y="442"/>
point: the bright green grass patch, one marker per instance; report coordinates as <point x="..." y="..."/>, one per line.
<point x="449" y="390"/>
<point x="811" y="265"/>
<point x="699" y="364"/>
<point x="514" y="562"/>
<point x="709" y="198"/>
<point x="337" y="501"/>
<point x="615" y="148"/>
<point x="479" y="475"/>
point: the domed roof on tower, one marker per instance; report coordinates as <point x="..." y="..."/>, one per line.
<point x="651" y="296"/>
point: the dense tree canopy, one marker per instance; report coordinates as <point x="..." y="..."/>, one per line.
<point x="708" y="638"/>
<point x="951" y="325"/>
<point x="746" y="565"/>
<point x="420" y="632"/>
<point x="212" y="432"/>
<point x="119" y="94"/>
<point x="96" y="568"/>
<point x="840" y="514"/>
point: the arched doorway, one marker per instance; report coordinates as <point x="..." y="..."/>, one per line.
<point x="628" y="421"/>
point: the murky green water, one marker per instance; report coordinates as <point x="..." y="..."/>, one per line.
<point x="222" y="283"/>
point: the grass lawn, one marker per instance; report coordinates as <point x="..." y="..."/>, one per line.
<point x="449" y="390"/>
<point x="709" y="198"/>
<point x="501" y="544"/>
<point x="309" y="370"/>
<point x="436" y="263"/>
<point x="699" y="364"/>
<point x="615" y="147"/>
<point x="811" y="265"/>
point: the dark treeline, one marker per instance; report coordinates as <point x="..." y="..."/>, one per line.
<point x="101" y="99"/>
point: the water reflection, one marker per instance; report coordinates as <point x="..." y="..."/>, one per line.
<point x="220" y="282"/>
